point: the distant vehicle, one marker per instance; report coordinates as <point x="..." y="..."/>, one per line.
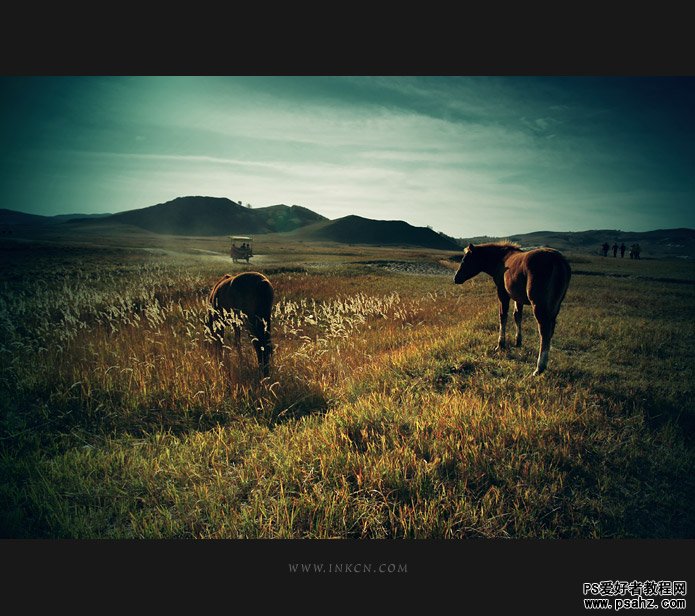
<point x="241" y="247"/>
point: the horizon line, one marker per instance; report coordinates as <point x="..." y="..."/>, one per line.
<point x="507" y="235"/>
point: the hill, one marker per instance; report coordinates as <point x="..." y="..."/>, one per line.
<point x="281" y="218"/>
<point x="198" y="215"/>
<point x="64" y="217"/>
<point x="673" y="243"/>
<point x="13" y="217"/>
<point x="215" y="216"/>
<point x="358" y="230"/>
<point x="218" y="216"/>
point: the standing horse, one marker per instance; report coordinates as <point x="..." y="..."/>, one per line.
<point x="538" y="277"/>
<point x="243" y="300"/>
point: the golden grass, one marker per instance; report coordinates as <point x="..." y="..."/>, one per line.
<point x="387" y="413"/>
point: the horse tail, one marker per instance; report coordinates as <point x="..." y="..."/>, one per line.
<point x="559" y="283"/>
<point x="214" y="309"/>
<point x="213" y="297"/>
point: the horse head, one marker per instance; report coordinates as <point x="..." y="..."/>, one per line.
<point x="470" y="265"/>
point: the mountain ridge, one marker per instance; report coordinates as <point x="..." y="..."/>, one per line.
<point x="202" y="215"/>
<point x="355" y="229"/>
<point x="221" y="216"/>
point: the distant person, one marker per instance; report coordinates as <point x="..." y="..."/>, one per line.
<point x="622" y="250"/>
<point x="615" y="249"/>
<point x="605" y="248"/>
<point x="637" y="251"/>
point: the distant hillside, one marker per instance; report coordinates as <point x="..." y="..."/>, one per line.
<point x="280" y="218"/>
<point x="358" y="230"/>
<point x="64" y="217"/>
<point x="215" y="216"/>
<point x="654" y="244"/>
<point x="212" y="216"/>
<point x="12" y="217"/>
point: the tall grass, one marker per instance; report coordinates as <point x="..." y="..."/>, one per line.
<point x="387" y="413"/>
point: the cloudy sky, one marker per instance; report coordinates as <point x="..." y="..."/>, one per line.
<point x="466" y="155"/>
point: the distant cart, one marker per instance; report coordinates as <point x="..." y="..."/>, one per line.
<point x="242" y="247"/>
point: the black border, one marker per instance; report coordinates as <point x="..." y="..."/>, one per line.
<point x="572" y="40"/>
<point x="493" y="576"/>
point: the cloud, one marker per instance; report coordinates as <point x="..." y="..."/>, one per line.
<point x="465" y="155"/>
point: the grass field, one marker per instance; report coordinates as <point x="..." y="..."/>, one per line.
<point x="387" y="413"/>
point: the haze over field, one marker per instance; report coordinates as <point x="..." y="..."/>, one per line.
<point x="467" y="156"/>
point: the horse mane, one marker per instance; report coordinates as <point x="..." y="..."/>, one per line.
<point x="505" y="244"/>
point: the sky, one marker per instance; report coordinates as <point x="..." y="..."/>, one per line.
<point x="467" y="156"/>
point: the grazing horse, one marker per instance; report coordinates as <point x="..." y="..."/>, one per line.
<point x="244" y="299"/>
<point x="538" y="277"/>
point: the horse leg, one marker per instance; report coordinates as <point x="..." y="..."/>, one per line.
<point x="261" y="355"/>
<point x="504" y="311"/>
<point x="546" y="327"/>
<point x="262" y="345"/>
<point x="237" y="337"/>
<point x="518" y="313"/>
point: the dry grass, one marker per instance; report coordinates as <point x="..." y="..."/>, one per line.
<point x="387" y="414"/>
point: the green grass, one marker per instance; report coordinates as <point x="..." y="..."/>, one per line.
<point x="387" y="414"/>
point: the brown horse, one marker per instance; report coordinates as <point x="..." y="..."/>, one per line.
<point x="243" y="300"/>
<point x="538" y="277"/>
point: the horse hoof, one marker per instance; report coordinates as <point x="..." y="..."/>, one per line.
<point x="537" y="372"/>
